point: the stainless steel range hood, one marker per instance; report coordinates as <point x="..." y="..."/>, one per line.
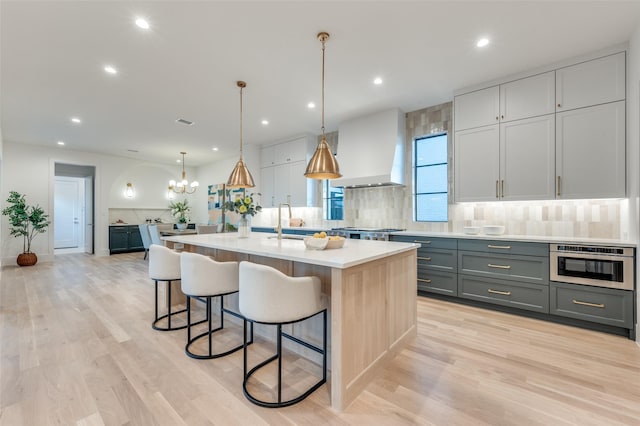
<point x="371" y="150"/>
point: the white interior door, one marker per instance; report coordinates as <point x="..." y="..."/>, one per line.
<point x="68" y="201"/>
<point x="88" y="214"/>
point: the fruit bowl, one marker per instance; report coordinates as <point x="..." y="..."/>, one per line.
<point x="493" y="229"/>
<point x="315" y="243"/>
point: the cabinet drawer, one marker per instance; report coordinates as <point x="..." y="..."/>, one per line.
<point x="437" y="282"/>
<point x="445" y="260"/>
<point x="531" y="297"/>
<point x="531" y="269"/>
<point x="505" y="247"/>
<point x="427" y="242"/>
<point x="595" y="304"/>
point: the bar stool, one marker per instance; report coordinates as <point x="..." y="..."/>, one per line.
<point x="204" y="278"/>
<point x="164" y="265"/>
<point x="267" y="296"/>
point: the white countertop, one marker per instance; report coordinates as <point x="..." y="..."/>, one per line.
<point x="524" y="238"/>
<point x="353" y="253"/>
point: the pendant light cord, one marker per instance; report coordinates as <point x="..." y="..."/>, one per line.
<point x="323" y="41"/>
<point x="241" y="87"/>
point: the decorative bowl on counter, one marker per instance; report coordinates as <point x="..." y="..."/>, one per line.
<point x="324" y="243"/>
<point x="493" y="229"/>
<point x="471" y="230"/>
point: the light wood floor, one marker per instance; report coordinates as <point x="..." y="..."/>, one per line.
<point x="77" y="348"/>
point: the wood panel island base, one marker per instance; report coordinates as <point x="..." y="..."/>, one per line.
<point x="371" y="291"/>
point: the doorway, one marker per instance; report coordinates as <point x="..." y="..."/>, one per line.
<point x="73" y="216"/>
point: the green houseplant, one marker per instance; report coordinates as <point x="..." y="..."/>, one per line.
<point x="26" y="221"/>
<point x="180" y="210"/>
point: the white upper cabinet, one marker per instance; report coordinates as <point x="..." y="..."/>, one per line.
<point x="527" y="159"/>
<point x="528" y="97"/>
<point x="267" y="156"/>
<point x="289" y="152"/>
<point x="282" y="174"/>
<point x="593" y="82"/>
<point x="590" y="152"/>
<point x="477" y="166"/>
<point x="476" y="109"/>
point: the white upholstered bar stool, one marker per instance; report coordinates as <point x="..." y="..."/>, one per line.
<point x="164" y="265"/>
<point x="204" y="278"/>
<point x="267" y="296"/>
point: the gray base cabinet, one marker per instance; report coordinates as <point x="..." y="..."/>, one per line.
<point x="602" y="305"/>
<point x="124" y="239"/>
<point x="515" y="275"/>
<point x="532" y="297"/>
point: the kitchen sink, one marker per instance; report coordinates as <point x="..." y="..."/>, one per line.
<point x="289" y="237"/>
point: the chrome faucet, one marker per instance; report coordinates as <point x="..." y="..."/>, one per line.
<point x="279" y="227"/>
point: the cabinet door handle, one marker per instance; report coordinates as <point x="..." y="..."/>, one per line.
<point x="497" y="118"/>
<point x="423" y="242"/>
<point x="428" y="259"/>
<point x="497" y="193"/>
<point x="502" y="116"/>
<point x="498" y="247"/>
<point x="504" y="293"/>
<point x="559" y="105"/>
<point x="424" y="281"/>
<point x="558" y="191"/>
<point x="502" y="188"/>
<point x="593" y="305"/>
<point x="491" y="265"/>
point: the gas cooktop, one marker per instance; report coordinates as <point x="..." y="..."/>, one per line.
<point x="358" y="229"/>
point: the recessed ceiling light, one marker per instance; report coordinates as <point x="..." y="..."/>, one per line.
<point x="377" y="80"/>
<point x="482" y="42"/>
<point x="110" y="69"/>
<point x="178" y="161"/>
<point x="76" y="120"/>
<point x="215" y="148"/>
<point x="142" y="23"/>
<point x="265" y="122"/>
<point x="60" y="143"/>
<point x="183" y="121"/>
<point x="311" y="105"/>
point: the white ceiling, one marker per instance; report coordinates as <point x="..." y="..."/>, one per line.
<point x="187" y="64"/>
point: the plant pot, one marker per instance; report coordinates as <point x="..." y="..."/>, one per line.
<point x="27" y="259"/>
<point x="181" y="226"/>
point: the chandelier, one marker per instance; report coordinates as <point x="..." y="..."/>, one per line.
<point x="182" y="186"/>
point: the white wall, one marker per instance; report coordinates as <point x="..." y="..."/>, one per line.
<point x="633" y="143"/>
<point x="29" y="170"/>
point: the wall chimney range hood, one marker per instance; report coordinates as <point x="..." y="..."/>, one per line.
<point x="371" y="150"/>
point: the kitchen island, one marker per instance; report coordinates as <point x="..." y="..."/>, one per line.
<point x="370" y="287"/>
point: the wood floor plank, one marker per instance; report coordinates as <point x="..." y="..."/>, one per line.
<point x="77" y="347"/>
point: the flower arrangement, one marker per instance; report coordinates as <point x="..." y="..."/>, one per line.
<point x="244" y="206"/>
<point x="180" y="210"/>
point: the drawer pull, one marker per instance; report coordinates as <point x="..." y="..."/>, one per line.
<point x="420" y="241"/>
<point x="593" y="305"/>
<point x="491" y="265"/>
<point x="504" y="293"/>
<point x="428" y="259"/>
<point x="424" y="281"/>
<point x="499" y="247"/>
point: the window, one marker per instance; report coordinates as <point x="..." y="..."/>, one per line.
<point x="333" y="201"/>
<point x="430" y="177"/>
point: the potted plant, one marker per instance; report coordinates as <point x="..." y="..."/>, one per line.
<point x="26" y="221"/>
<point x="180" y="210"/>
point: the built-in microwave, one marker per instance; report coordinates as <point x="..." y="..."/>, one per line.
<point x="601" y="266"/>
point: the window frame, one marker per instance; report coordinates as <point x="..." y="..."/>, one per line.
<point x="416" y="194"/>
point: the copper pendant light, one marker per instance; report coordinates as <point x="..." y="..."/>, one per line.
<point x="240" y="177"/>
<point x="323" y="164"/>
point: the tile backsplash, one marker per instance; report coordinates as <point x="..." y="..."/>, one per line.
<point x="393" y="207"/>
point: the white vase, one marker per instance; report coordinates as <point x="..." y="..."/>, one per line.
<point x="181" y="226"/>
<point x="244" y="227"/>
